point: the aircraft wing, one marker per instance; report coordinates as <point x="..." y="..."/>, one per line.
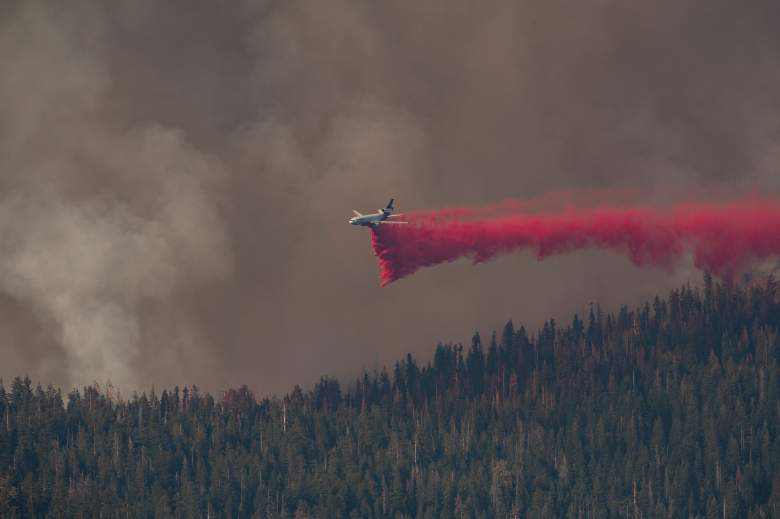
<point x="356" y="213"/>
<point x="386" y="222"/>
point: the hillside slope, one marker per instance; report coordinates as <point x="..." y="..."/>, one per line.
<point x="669" y="410"/>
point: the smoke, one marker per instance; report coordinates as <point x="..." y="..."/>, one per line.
<point x="89" y="264"/>
<point x="724" y="238"/>
<point x="96" y="221"/>
<point x="175" y="175"/>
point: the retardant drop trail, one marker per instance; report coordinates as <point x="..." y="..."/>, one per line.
<point x="723" y="238"/>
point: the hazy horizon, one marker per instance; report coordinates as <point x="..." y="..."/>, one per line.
<point x="175" y="177"/>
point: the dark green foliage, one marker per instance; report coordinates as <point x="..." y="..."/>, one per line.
<point x="670" y="410"/>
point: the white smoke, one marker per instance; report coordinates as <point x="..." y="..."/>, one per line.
<point x="95" y="219"/>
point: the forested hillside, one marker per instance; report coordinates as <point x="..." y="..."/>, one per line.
<point x="668" y="410"/>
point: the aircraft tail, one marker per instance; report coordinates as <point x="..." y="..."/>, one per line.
<point x="390" y="204"/>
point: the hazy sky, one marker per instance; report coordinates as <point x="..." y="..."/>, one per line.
<point x="176" y="175"/>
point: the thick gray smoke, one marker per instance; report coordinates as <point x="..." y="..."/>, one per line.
<point x="175" y="176"/>
<point x="95" y="220"/>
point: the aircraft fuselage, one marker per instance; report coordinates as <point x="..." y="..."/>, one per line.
<point x="370" y="220"/>
<point x="375" y="219"/>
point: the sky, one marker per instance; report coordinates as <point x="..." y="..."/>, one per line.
<point x="176" y="176"/>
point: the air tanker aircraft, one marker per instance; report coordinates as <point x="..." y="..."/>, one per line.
<point x="375" y="219"/>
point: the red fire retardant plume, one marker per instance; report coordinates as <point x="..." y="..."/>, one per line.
<point x="723" y="238"/>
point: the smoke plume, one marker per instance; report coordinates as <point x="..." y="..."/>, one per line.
<point x="724" y="238"/>
<point x="100" y="222"/>
<point x="175" y="175"/>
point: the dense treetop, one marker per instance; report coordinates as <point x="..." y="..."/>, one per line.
<point x="668" y="410"/>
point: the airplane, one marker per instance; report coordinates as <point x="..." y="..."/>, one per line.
<point x="375" y="219"/>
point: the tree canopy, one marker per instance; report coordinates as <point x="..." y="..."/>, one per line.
<point x="667" y="410"/>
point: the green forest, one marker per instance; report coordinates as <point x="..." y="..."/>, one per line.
<point x="669" y="410"/>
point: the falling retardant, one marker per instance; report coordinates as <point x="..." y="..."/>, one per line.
<point x="725" y="238"/>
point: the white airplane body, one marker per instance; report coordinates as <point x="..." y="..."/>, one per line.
<point x="381" y="217"/>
